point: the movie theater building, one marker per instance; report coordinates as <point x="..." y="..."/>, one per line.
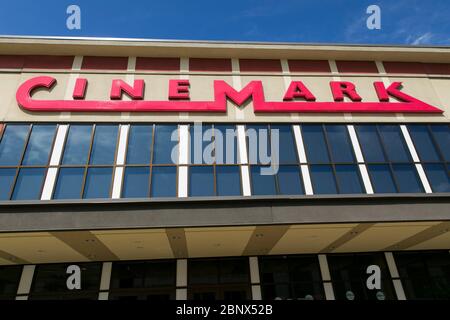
<point x="104" y="194"/>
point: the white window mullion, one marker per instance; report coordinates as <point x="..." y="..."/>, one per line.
<point x="105" y="281"/>
<point x="120" y="161"/>
<point x="243" y="160"/>
<point x="393" y="271"/>
<point x="302" y="158"/>
<point x="254" y="278"/>
<point x="55" y="158"/>
<point x="183" y="160"/>
<point x="181" y="279"/>
<point x="326" y="278"/>
<point x="25" y="282"/>
<point x="415" y="157"/>
<point x="184" y="75"/>
<point x="360" y="159"/>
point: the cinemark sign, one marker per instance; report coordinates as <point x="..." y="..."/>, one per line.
<point x="297" y="98"/>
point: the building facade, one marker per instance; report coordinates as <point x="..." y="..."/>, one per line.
<point x="134" y="169"/>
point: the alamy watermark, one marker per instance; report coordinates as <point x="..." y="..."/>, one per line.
<point x="73" y="21"/>
<point x="212" y="146"/>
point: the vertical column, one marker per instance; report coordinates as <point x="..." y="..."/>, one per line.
<point x="398" y="287"/>
<point x="243" y="159"/>
<point x="302" y="158"/>
<point x="287" y="81"/>
<point x="325" y="272"/>
<point x="254" y="278"/>
<point x="120" y="161"/>
<point x="25" y="282"/>
<point x="105" y="281"/>
<point x="336" y="77"/>
<point x="183" y="160"/>
<point x="52" y="172"/>
<point x="76" y="67"/>
<point x="415" y="157"/>
<point x="184" y="75"/>
<point x="386" y="83"/>
<point x="129" y="78"/>
<point x="181" y="291"/>
<point x="360" y="159"/>
<point x="237" y="85"/>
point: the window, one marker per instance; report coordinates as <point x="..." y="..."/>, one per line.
<point x="50" y="282"/>
<point x="219" y="279"/>
<point x="150" y="170"/>
<point x="429" y="141"/>
<point x="390" y="166"/>
<point x="331" y="160"/>
<point x="87" y="163"/>
<point x="274" y="166"/>
<point x="143" y="280"/>
<point x="24" y="156"/>
<point x="424" y="275"/>
<point x="349" y="275"/>
<point x="290" y="277"/>
<point x="9" y="281"/>
<point x="213" y="169"/>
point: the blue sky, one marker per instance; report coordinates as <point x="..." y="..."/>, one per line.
<point x="413" y="22"/>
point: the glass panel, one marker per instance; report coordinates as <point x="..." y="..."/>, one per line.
<point x="203" y="271"/>
<point x="438" y="177"/>
<point x="77" y="146"/>
<point x="104" y="145"/>
<point x="287" y="152"/>
<point x="322" y="179"/>
<point x="6" y="181"/>
<point x="164" y="182"/>
<point x="39" y="145"/>
<point x="139" y="144"/>
<point x="69" y="183"/>
<point x="127" y="275"/>
<point x="258" y="144"/>
<point x="441" y="134"/>
<point x="407" y="178"/>
<point x="315" y="146"/>
<point x="394" y="143"/>
<point x="289" y="180"/>
<point x="164" y="145"/>
<point x="98" y="183"/>
<point x="340" y="145"/>
<point x="9" y="281"/>
<point x="201" y="181"/>
<point x="198" y="145"/>
<point x="228" y="154"/>
<point x="228" y="180"/>
<point x="425" y="275"/>
<point x="52" y="278"/>
<point x="136" y="182"/>
<point x="29" y="184"/>
<point x="234" y="271"/>
<point x="349" y="274"/>
<point x="370" y="143"/>
<point x="381" y="177"/>
<point x="423" y="143"/>
<point x="262" y="184"/>
<point x="12" y="144"/>
<point x="348" y="179"/>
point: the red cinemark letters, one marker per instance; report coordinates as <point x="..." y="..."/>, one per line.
<point x="179" y="100"/>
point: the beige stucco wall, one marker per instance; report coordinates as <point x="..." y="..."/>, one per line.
<point x="431" y="89"/>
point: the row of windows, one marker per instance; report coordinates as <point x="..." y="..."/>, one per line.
<point x="88" y="160"/>
<point x="424" y="275"/>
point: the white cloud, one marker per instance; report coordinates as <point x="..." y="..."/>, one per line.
<point x="423" y="39"/>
